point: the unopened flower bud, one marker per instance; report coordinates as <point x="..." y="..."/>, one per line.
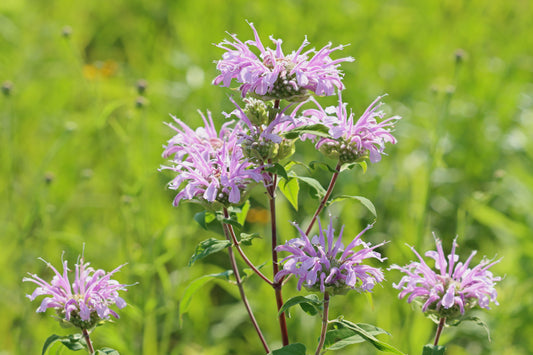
<point x="66" y="32"/>
<point x="330" y="150"/>
<point x="141" y="102"/>
<point x="49" y="177"/>
<point x="142" y="85"/>
<point x="7" y="87"/>
<point x="460" y="56"/>
<point x="256" y="111"/>
<point x="286" y="149"/>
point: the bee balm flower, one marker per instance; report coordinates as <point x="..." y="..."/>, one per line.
<point x="209" y="167"/>
<point x="451" y="290"/>
<point x="86" y="301"/>
<point x="323" y="264"/>
<point x="353" y="141"/>
<point x="274" y="75"/>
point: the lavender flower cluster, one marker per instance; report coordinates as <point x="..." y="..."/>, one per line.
<point x="324" y="264"/>
<point x="217" y="168"/>
<point x="451" y="290"/>
<point x="85" y="302"/>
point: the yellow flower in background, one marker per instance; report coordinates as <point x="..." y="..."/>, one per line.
<point x="100" y="69"/>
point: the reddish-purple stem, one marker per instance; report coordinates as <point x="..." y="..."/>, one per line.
<point x="439" y="330"/>
<point x="324" y="324"/>
<point x="241" y="252"/>
<point x="325" y="198"/>
<point x="88" y="341"/>
<point x="241" y="289"/>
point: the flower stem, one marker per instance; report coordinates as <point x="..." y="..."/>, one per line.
<point x="439" y="330"/>
<point x="324" y="324"/>
<point x="275" y="268"/>
<point x="326" y="197"/>
<point x="241" y="289"/>
<point x="241" y="252"/>
<point x="85" y="333"/>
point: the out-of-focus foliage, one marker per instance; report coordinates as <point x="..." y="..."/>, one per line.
<point x="87" y="85"/>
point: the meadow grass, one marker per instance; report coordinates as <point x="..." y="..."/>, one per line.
<point x="80" y="148"/>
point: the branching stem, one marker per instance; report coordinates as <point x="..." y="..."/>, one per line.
<point x="325" y="198"/>
<point x="236" y="244"/>
<point x="241" y="289"/>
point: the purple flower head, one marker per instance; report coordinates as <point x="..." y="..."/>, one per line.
<point x="353" y="141"/>
<point x="323" y="264"/>
<point x="453" y="288"/>
<point x="209" y="167"/>
<point x="274" y="75"/>
<point x="86" y="301"/>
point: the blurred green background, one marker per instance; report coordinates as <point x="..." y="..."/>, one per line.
<point x="80" y="147"/>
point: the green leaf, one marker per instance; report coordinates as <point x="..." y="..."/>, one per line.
<point x="433" y="350"/>
<point x="250" y="272"/>
<point x="232" y="221"/>
<point x="478" y="321"/>
<point x="74" y="342"/>
<point x="366" y="202"/>
<point x="292" y="349"/>
<point x="278" y="169"/>
<point x="318" y="130"/>
<point x="241" y="215"/>
<point x="319" y="164"/>
<point x="310" y="301"/>
<point x="196" y="285"/>
<point x="49" y="342"/>
<point x="320" y="191"/>
<point x="378" y="344"/>
<point x="246" y="238"/>
<point x="342" y="336"/>
<point x="204" y="218"/>
<point x="208" y="247"/>
<point x="107" y="351"/>
<point x="290" y="188"/>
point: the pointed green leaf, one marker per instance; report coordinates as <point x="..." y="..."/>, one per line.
<point x="249" y="272"/>
<point x="318" y="130"/>
<point x="290" y="188"/>
<point x="477" y="320"/>
<point x="292" y="349"/>
<point x="311" y="301"/>
<point x="241" y="215"/>
<point x="49" y="342"/>
<point x="378" y="344"/>
<point x="107" y="351"/>
<point x="433" y="350"/>
<point x="319" y="164"/>
<point x="278" y="170"/>
<point x="232" y="221"/>
<point x="204" y="218"/>
<point x="246" y="238"/>
<point x="366" y="202"/>
<point x="74" y="342"/>
<point x="196" y="285"/>
<point x="342" y="336"/>
<point x="320" y="191"/>
<point x="208" y="247"/>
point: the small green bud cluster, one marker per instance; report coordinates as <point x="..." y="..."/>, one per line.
<point x="260" y="151"/>
<point x="257" y="111"/>
<point x="76" y="320"/>
<point x="286" y="88"/>
<point x="343" y="151"/>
